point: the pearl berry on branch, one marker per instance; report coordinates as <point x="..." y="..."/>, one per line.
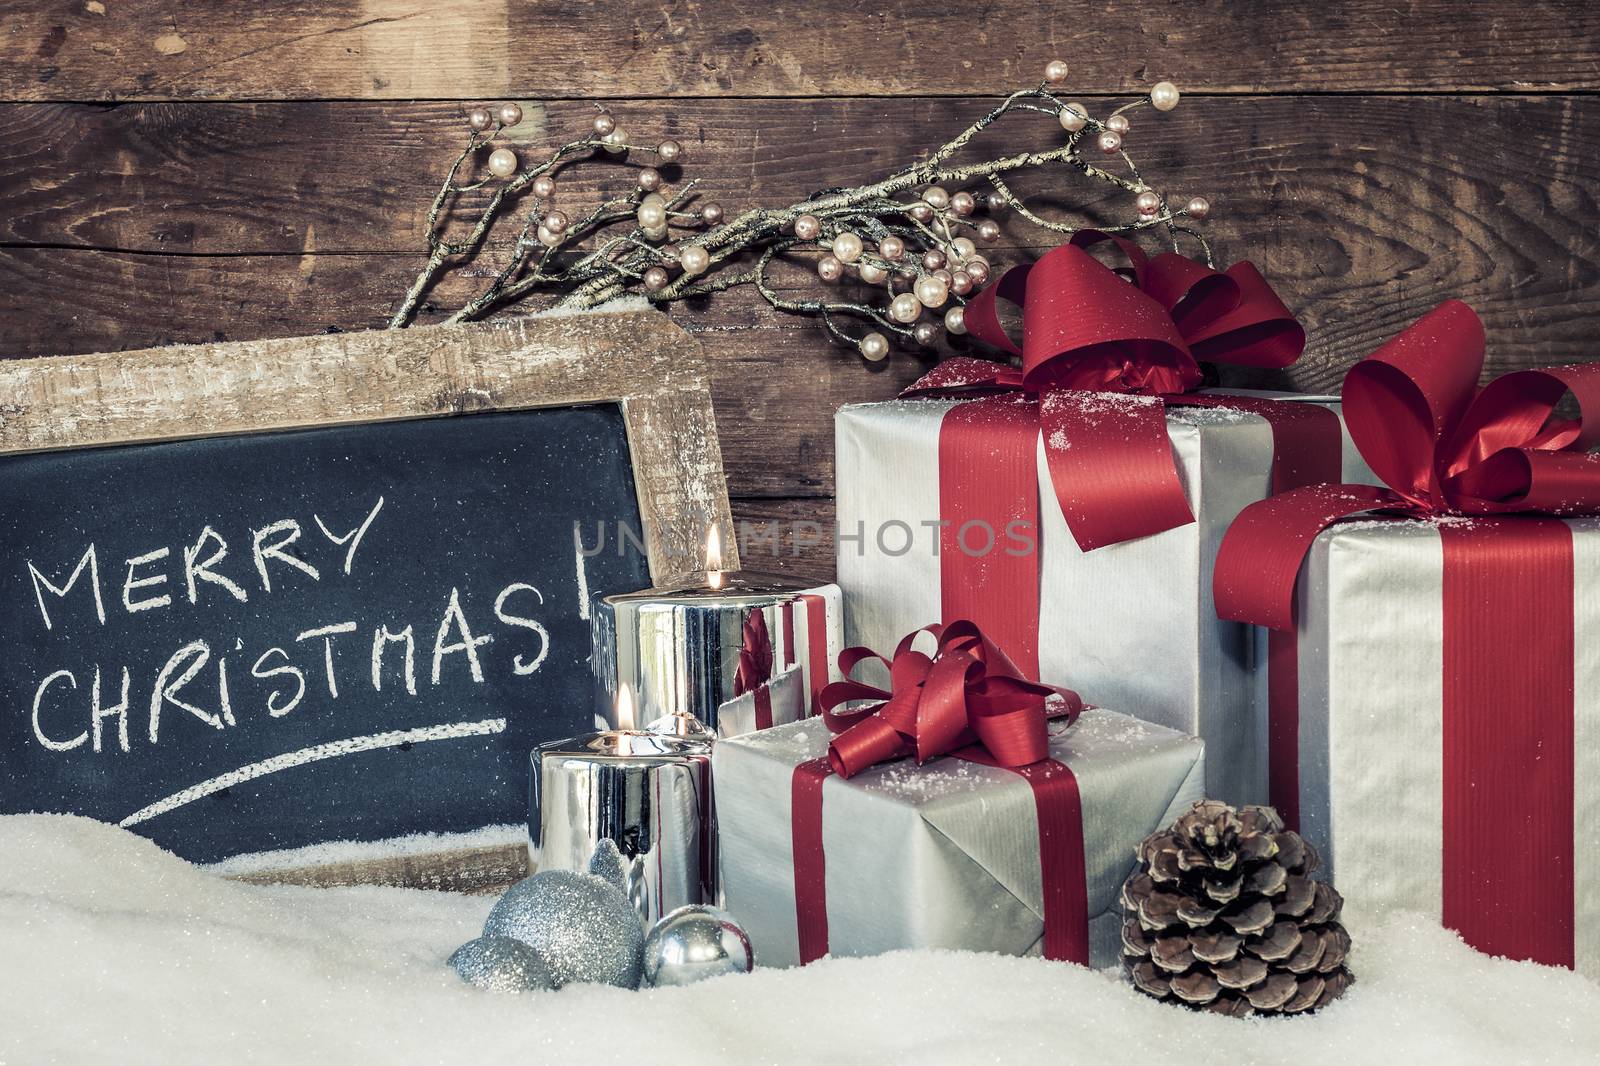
<point x="910" y="239"/>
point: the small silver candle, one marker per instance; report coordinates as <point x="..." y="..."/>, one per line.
<point x="648" y="793"/>
<point x="687" y="648"/>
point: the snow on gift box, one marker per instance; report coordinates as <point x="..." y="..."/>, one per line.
<point x="1018" y="844"/>
<point x="939" y="497"/>
<point x="1438" y="734"/>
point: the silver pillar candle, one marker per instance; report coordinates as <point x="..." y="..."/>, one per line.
<point x="647" y="793"/>
<point x="687" y="649"/>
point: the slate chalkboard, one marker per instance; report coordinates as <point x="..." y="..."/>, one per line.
<point x="251" y="643"/>
<point x="265" y="515"/>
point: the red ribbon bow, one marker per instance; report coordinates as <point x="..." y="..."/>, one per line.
<point x="967" y="692"/>
<point x="1102" y="357"/>
<point x="1441" y="444"/>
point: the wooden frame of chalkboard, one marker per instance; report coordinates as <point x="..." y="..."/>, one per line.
<point x="653" y="371"/>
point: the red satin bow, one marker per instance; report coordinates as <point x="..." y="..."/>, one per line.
<point x="1102" y="356"/>
<point x="1441" y="444"/>
<point x="966" y="692"/>
<point x="1084" y="327"/>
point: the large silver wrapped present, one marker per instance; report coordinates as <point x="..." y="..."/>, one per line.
<point x="1133" y="623"/>
<point x="945" y="855"/>
<point x="1448" y="728"/>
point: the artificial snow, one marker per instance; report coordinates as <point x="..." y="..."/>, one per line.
<point x="113" y="951"/>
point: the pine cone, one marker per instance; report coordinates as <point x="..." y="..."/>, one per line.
<point x="1222" y="915"/>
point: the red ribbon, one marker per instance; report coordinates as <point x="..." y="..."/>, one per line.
<point x="1445" y="447"/>
<point x="816" y="643"/>
<point x="969" y="701"/>
<point x="966" y="693"/>
<point x="755" y="654"/>
<point x="1101" y="358"/>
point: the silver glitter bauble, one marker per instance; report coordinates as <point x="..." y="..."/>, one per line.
<point x="582" y="925"/>
<point x="501" y="964"/>
<point x="608" y="864"/>
<point x="693" y="943"/>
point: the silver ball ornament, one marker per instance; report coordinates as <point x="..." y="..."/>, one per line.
<point x="696" y="942"/>
<point x="582" y="925"/>
<point x="501" y="964"/>
<point x="608" y="864"/>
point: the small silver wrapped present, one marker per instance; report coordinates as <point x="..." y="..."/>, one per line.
<point x="945" y="855"/>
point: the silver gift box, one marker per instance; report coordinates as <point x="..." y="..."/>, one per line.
<point x="1130" y="625"/>
<point x="945" y="855"/>
<point x="787" y="698"/>
<point x="1371" y="687"/>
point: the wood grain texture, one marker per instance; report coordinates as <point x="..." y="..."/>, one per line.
<point x="1365" y="211"/>
<point x="475" y="871"/>
<point x="406" y="49"/>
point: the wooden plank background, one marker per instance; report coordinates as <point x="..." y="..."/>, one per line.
<point x="176" y="172"/>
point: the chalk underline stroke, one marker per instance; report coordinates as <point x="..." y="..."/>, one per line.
<point x="316" y="753"/>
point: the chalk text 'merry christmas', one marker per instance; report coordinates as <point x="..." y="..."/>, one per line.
<point x="151" y="581"/>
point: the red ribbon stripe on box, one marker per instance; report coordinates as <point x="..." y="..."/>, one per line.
<point x="967" y="701"/>
<point x="1101" y="360"/>
<point x="1501" y="457"/>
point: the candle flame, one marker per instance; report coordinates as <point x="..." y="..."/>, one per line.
<point x="714" y="557"/>
<point x="625" y="712"/>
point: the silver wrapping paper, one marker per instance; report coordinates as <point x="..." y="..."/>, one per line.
<point x="1130" y="625"/>
<point x="789" y="699"/>
<point x="1371" y="717"/>
<point x="944" y="855"/>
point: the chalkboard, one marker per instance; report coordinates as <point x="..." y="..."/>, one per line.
<point x="263" y="641"/>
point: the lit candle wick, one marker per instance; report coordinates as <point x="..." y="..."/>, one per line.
<point x="714" y="576"/>
<point x="625" y="715"/>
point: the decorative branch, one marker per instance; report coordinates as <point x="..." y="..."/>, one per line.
<point x="918" y="254"/>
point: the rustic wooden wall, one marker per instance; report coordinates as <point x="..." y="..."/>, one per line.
<point x="175" y="171"/>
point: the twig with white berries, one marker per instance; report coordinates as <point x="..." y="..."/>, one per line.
<point x="920" y="253"/>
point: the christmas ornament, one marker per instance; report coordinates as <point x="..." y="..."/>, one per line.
<point x="1222" y="914"/>
<point x="501" y="964"/>
<point x="856" y="237"/>
<point x="582" y="925"/>
<point x="693" y="943"/>
<point x="608" y="864"/>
